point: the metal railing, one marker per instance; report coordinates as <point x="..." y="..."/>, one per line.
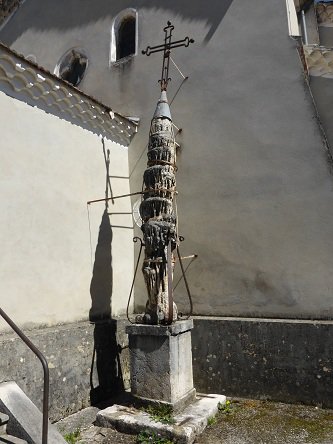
<point x="43" y="360"/>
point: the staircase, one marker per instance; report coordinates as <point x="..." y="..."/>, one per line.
<point x="25" y="420"/>
<point x="4" y="437"/>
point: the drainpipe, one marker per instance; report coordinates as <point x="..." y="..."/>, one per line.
<point x="304" y="28"/>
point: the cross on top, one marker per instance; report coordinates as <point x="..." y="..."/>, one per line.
<point x="166" y="48"/>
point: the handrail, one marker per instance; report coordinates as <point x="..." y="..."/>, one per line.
<point x="43" y="360"/>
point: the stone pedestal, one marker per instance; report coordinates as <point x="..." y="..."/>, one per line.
<point x="161" y="363"/>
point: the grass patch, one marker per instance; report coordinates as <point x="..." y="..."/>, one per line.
<point x="160" y="413"/>
<point x="73" y="437"/>
<point x="152" y="438"/>
<point x="211" y="420"/>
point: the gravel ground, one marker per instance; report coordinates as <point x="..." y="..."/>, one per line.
<point x="263" y="422"/>
<point x="249" y="422"/>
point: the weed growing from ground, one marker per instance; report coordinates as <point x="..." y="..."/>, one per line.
<point x="152" y="438"/>
<point x="160" y="413"/>
<point x="211" y="420"/>
<point x="71" y="438"/>
<point x="225" y="408"/>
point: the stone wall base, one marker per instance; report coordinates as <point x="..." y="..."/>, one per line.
<point x="277" y="359"/>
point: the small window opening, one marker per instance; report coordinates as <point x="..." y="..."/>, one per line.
<point x="126" y="38"/>
<point x="72" y="66"/>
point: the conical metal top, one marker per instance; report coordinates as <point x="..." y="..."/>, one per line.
<point x="162" y="108"/>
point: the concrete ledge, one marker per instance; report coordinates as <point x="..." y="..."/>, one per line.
<point x="188" y="424"/>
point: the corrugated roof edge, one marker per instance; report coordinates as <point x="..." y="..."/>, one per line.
<point x="67" y="84"/>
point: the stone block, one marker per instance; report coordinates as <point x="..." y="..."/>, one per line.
<point x="161" y="363"/>
<point x="188" y="424"/>
<point x="25" y="420"/>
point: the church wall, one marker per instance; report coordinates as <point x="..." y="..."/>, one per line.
<point x="49" y="271"/>
<point x="254" y="181"/>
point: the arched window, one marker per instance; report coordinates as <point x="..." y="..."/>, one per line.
<point x="124" y="36"/>
<point x="72" y="66"/>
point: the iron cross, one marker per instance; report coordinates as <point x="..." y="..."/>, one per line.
<point x="166" y="48"/>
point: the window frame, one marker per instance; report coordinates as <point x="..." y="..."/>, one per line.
<point x="79" y="50"/>
<point x="117" y="21"/>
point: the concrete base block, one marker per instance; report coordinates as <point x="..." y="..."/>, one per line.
<point x="177" y="406"/>
<point x="188" y="424"/>
<point x="161" y="362"/>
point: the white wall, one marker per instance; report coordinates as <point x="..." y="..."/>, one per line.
<point x="49" y="169"/>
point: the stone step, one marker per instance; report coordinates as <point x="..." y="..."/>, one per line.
<point x="25" y="420"/>
<point x="11" y="439"/>
<point x="3" y="423"/>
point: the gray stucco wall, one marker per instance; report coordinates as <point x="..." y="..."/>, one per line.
<point x="59" y="263"/>
<point x="254" y="185"/>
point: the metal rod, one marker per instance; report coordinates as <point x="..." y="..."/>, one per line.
<point x="112" y="214"/>
<point x="121" y="226"/>
<point x="135" y="239"/>
<point x="133" y="194"/>
<point x="158" y="261"/>
<point x="304" y="28"/>
<point x="44" y="363"/>
<point x="186" y="283"/>
<point x="118" y="177"/>
<point x="114" y="197"/>
<point x="184" y="77"/>
<point x="107" y="166"/>
<point x="170" y="290"/>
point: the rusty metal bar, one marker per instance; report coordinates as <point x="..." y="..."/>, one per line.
<point x="150" y="190"/>
<point x="135" y="239"/>
<point x="186" y="283"/>
<point x="170" y="290"/>
<point x="44" y="363"/>
<point x="114" y="197"/>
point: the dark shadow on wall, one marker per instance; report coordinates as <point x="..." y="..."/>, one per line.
<point x="36" y="14"/>
<point x="107" y="381"/>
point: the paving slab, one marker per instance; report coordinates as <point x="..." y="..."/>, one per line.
<point x="77" y="421"/>
<point x="188" y="424"/>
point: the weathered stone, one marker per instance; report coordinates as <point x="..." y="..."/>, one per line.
<point x="187" y="425"/>
<point x="7" y="439"/>
<point x="76" y="379"/>
<point x="25" y="419"/>
<point x="78" y="421"/>
<point x="3" y="423"/>
<point x="161" y="363"/>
